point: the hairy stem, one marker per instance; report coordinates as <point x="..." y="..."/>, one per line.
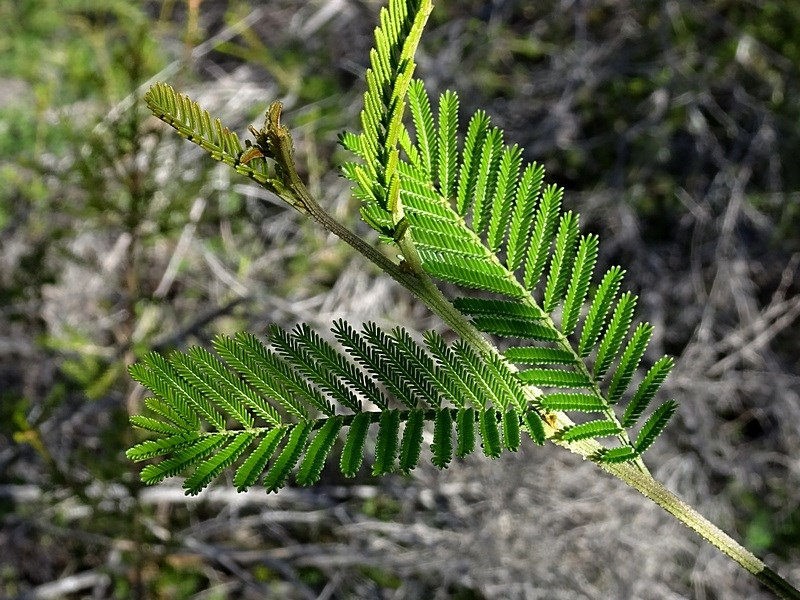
<point x="655" y="491"/>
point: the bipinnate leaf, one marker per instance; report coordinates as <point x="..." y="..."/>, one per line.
<point x="196" y="125"/>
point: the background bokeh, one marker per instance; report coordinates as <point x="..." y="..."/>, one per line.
<point x="675" y="128"/>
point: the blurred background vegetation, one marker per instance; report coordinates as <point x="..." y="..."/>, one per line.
<point x="674" y="126"/>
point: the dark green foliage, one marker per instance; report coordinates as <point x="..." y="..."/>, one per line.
<point x="511" y="438"/>
<point x="252" y="468"/>
<point x="469" y="214"/>
<point x="353" y="452"/>
<point x="210" y="469"/>
<point x="411" y="446"/>
<point x="309" y="471"/>
<point x="276" y="475"/>
<point x="646" y="390"/>
<point x="490" y="433"/>
<point x="590" y="429"/>
<point x="573" y="402"/>
<point x="442" y="446"/>
<point x="534" y="427"/>
<point x="654" y="425"/>
<point x="386" y="445"/>
<point x="500" y="207"/>
<point x="465" y="432"/>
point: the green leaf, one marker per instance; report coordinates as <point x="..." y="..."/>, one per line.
<point x="329" y="359"/>
<point x="519" y="232"/>
<point x="511" y="439"/>
<point x="155" y="425"/>
<point x="647" y="390"/>
<point x="212" y="386"/>
<point x="298" y="356"/>
<point x="561" y="262"/>
<point x="486" y="182"/>
<point x="454" y="375"/>
<point x="311" y="466"/>
<point x="465" y="432"/>
<point x="442" y="446"/>
<point x="516" y="328"/>
<point x="470" y="161"/>
<point x="209" y="470"/>
<point x="371" y="360"/>
<point x="579" y="283"/>
<point x="172" y="411"/>
<point x="575" y="402"/>
<point x="554" y="378"/>
<point x="537" y="355"/>
<point x="498" y="308"/>
<point x="252" y="468"/>
<point x="386" y="444"/>
<point x="490" y="433"/>
<point x="248" y="356"/>
<point x="534" y="427"/>
<point x="616" y="455"/>
<point x="598" y="310"/>
<point x="171" y="385"/>
<point x="183" y="458"/>
<point x="590" y="429"/>
<point x="543" y="230"/>
<point x="427" y="142"/>
<point x="287" y="459"/>
<point x="504" y="194"/>
<point x="448" y="144"/>
<point x="398" y="368"/>
<point x="654" y="425"/>
<point x="411" y="445"/>
<point x="161" y="446"/>
<point x="470" y="272"/>
<point x="615" y="333"/>
<point x="195" y="124"/>
<point x="388" y="84"/>
<point x="629" y="361"/>
<point x="353" y="451"/>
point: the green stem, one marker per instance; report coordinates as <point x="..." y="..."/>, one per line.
<point x="655" y="491"/>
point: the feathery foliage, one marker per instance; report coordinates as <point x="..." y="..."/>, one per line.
<point x="234" y="418"/>
<point x="505" y="233"/>
<point x="466" y="211"/>
<point x="463" y="210"/>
